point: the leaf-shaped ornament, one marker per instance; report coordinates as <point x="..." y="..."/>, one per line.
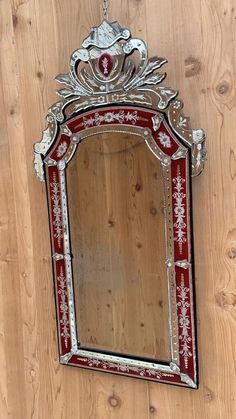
<point x="155" y="78"/>
<point x="153" y="64"/>
<point x="65" y="92"/>
<point x="65" y="79"/>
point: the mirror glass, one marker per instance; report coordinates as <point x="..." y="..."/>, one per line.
<point x="116" y="209"/>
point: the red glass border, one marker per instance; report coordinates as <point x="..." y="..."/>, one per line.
<point x="179" y="169"/>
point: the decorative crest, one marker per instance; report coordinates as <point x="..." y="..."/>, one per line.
<point x="103" y="72"/>
<point x="111" y="70"/>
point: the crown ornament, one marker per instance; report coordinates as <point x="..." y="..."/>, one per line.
<point x="103" y="72"/>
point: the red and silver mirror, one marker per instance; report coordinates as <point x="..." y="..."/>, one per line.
<point x="107" y="93"/>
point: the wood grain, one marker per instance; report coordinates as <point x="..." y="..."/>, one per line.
<point x="37" y="37"/>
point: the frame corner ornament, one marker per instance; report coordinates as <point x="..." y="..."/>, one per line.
<point x="105" y="91"/>
<point x="186" y="379"/>
<point x="64" y="359"/>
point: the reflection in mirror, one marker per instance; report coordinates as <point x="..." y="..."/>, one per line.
<point x="116" y="209"/>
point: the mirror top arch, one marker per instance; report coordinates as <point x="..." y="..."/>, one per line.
<point x="103" y="73"/>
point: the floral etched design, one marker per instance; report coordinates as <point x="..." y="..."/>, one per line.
<point x="184" y="322"/>
<point x="182" y="122"/>
<point x="57" y="211"/>
<point x="93" y="362"/>
<point x="63" y="307"/>
<point x="176" y="104"/>
<point x="62" y="149"/>
<point x="105" y="65"/>
<point x="121" y="117"/>
<point x="164" y="139"/>
<point x="179" y="210"/>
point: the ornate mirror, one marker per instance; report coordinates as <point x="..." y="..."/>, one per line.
<point x="117" y="157"/>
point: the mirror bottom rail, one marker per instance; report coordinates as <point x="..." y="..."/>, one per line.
<point x="163" y="373"/>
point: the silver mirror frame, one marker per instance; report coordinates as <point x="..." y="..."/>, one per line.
<point x="112" y="94"/>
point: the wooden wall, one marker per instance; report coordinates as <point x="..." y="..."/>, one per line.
<point x="36" y="39"/>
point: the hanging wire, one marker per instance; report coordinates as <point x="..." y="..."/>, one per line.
<point x="105" y="9"/>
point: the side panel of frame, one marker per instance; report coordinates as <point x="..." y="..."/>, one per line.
<point x="60" y="274"/>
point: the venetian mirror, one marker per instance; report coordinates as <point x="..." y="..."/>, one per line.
<point x="118" y="156"/>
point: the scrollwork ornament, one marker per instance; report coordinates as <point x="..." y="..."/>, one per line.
<point x="125" y="82"/>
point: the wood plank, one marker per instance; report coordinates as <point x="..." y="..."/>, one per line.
<point x="198" y="38"/>
<point x="202" y="52"/>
